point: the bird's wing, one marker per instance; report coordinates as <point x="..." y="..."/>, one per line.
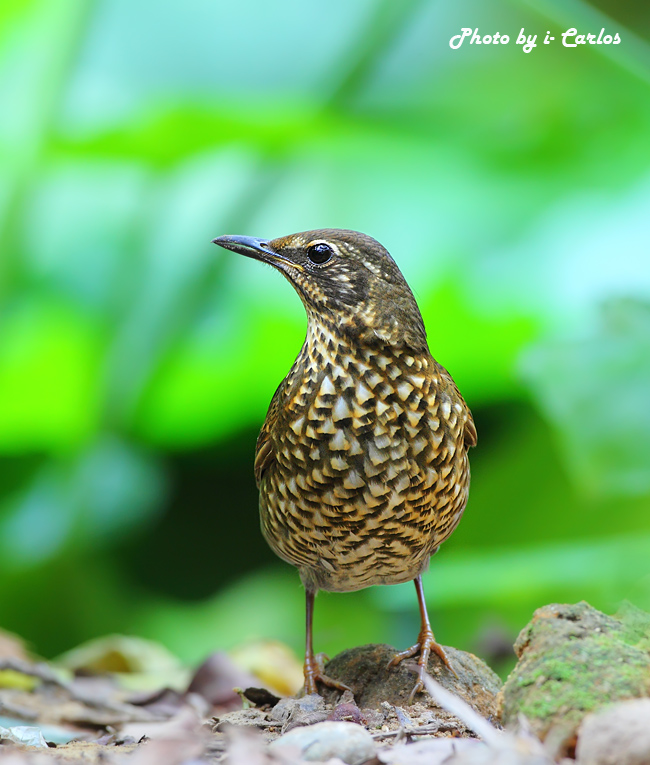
<point x="470" y="436"/>
<point x="264" y="454"/>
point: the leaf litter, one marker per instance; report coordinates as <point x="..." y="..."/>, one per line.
<point x="81" y="712"/>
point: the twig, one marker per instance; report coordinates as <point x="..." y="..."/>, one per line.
<point x="419" y="730"/>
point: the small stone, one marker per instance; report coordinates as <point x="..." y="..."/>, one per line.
<point x="617" y="735"/>
<point x="292" y="713"/>
<point x="289" y="707"/>
<point x="322" y="741"/>
<point x="347" y="711"/>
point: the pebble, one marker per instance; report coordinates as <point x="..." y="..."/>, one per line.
<point x="322" y="741"/>
<point x="616" y="735"/>
<point x="290" y="707"/>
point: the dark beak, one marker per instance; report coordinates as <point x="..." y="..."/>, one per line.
<point x="250" y="246"/>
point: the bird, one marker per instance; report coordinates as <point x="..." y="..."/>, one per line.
<point x="362" y="461"/>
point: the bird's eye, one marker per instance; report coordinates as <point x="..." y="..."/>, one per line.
<point x="319" y="253"/>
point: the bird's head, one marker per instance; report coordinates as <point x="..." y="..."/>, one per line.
<point x="346" y="280"/>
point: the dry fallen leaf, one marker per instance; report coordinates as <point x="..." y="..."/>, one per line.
<point x="217" y="678"/>
<point x="168" y="751"/>
<point x="185" y="723"/>
<point x="273" y="663"/>
<point x="135" y="662"/>
<point x="246" y="746"/>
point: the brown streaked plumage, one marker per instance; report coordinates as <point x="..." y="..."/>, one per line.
<point x="362" y="461"/>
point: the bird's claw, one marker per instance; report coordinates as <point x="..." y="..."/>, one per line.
<point x="424" y="647"/>
<point x="314" y="674"/>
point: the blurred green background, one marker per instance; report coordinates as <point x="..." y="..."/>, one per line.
<point x="137" y="359"/>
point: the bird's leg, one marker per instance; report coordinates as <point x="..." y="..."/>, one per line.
<point x="313" y="669"/>
<point x="426" y="643"/>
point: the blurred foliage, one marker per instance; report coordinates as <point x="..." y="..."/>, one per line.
<point x="136" y="362"/>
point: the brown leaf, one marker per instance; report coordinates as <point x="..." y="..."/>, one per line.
<point x="185" y="723"/>
<point x="247" y="746"/>
<point x="167" y="751"/>
<point x="216" y="678"/>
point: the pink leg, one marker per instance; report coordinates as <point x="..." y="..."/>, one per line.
<point x="425" y="645"/>
<point x="312" y="669"/>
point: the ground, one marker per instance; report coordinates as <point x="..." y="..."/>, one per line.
<point x="573" y="661"/>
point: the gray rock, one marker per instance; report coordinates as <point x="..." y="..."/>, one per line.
<point x="295" y="712"/>
<point x="617" y="735"/>
<point x="289" y="707"/>
<point x="322" y="741"/>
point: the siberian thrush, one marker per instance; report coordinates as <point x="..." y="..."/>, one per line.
<point x="362" y="461"/>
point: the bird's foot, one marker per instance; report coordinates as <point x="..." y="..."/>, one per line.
<point x="425" y="645"/>
<point x="314" y="674"/>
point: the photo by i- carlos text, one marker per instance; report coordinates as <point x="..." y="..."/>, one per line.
<point x="570" y="39"/>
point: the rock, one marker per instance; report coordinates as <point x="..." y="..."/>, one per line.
<point x="347" y="711"/>
<point x="322" y="741"/>
<point x="285" y="708"/>
<point x="574" y="659"/>
<point x="292" y="712"/>
<point x="617" y="735"/>
<point x="365" y="669"/>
